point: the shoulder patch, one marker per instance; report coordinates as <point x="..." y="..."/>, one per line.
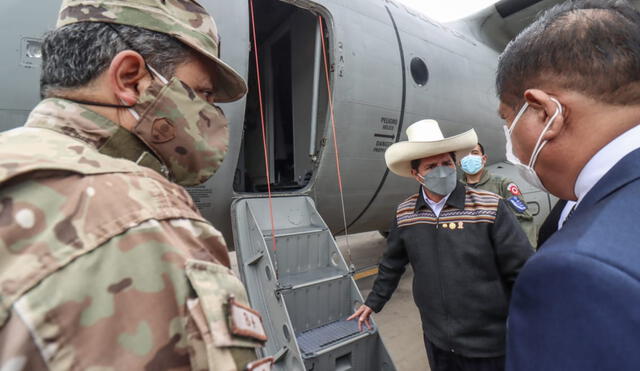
<point x="517" y="204"/>
<point x="513" y="188"/>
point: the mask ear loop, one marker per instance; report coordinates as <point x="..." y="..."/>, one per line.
<point x="154" y="72"/>
<point x="518" y="116"/>
<point x="421" y="177"/>
<point x="534" y="156"/>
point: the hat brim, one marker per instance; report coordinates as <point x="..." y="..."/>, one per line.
<point x="399" y="155"/>
<point x="229" y="85"/>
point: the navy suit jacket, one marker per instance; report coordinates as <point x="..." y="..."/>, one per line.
<point x="576" y="303"/>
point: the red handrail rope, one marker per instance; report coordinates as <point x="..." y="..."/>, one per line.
<point x="333" y="127"/>
<point x="264" y="132"/>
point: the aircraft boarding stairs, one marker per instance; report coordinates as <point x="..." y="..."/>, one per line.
<point x="304" y="289"/>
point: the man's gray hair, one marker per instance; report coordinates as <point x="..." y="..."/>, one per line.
<point x="74" y="55"/>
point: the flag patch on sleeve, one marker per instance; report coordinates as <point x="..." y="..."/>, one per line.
<point x="513" y="188"/>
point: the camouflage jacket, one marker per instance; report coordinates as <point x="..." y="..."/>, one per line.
<point x="104" y="263"/>
<point x="510" y="192"/>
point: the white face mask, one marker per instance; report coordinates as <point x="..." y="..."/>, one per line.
<point x="527" y="171"/>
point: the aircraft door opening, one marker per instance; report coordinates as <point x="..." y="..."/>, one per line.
<point x="295" y="100"/>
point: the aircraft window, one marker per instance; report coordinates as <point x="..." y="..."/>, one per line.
<point x="34" y="49"/>
<point x="419" y="71"/>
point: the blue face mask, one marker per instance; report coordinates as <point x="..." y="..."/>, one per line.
<point x="471" y="164"/>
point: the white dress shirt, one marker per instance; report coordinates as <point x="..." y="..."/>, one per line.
<point x="600" y="164"/>
<point x="565" y="213"/>
<point x="435" y="206"/>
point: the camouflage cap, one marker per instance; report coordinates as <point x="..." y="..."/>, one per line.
<point x="185" y="20"/>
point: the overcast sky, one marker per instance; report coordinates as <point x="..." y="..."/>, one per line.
<point x="448" y="10"/>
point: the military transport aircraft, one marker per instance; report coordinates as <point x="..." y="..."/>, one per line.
<point x="378" y="66"/>
<point x="389" y="66"/>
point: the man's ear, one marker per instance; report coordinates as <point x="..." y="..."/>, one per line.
<point x="547" y="106"/>
<point x="128" y="76"/>
<point x="415" y="174"/>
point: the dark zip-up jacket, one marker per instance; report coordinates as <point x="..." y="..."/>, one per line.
<point x="465" y="263"/>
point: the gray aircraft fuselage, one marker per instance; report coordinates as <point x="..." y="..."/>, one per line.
<point x="389" y="67"/>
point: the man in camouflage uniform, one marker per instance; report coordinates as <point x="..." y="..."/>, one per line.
<point x="106" y="262"/>
<point x="476" y="176"/>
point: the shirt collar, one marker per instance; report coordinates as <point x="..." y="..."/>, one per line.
<point x="454" y="199"/>
<point x="483" y="179"/>
<point x="73" y="120"/>
<point x="605" y="160"/>
<point x="106" y="136"/>
<point x="436" y="205"/>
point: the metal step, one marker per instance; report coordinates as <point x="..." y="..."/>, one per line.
<point x="293" y="231"/>
<point x="303" y="288"/>
<point x="312" y="277"/>
<point x="325" y="338"/>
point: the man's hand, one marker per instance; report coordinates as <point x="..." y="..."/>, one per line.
<point x="363" y="313"/>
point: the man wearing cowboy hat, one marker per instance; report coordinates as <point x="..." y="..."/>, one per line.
<point x="465" y="247"/>
<point x="106" y="261"/>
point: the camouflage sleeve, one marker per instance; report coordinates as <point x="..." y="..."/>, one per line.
<point x="153" y="298"/>
<point x="513" y="197"/>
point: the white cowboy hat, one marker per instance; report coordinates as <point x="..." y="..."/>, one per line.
<point x="426" y="140"/>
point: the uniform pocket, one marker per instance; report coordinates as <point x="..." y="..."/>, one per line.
<point x="214" y="340"/>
